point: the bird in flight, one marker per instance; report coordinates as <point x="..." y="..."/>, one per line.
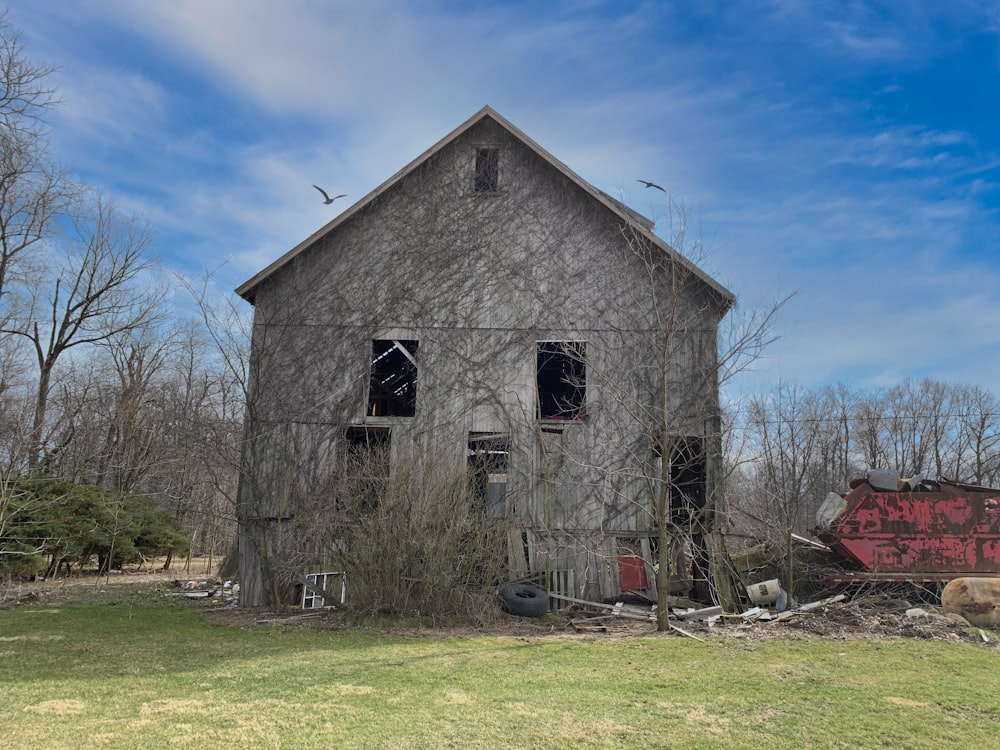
<point x="327" y="200"/>
<point x="651" y="185"/>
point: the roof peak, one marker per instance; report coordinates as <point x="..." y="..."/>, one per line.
<point x="644" y="225"/>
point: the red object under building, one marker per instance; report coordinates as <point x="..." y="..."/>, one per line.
<point x="941" y="528"/>
<point x="632" y="573"/>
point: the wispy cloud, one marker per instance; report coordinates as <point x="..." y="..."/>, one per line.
<point x="802" y="136"/>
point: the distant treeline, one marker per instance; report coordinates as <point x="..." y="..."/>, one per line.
<point x="789" y="447"/>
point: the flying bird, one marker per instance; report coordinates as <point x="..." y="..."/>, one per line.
<point x="651" y="185"/>
<point x="327" y="200"/>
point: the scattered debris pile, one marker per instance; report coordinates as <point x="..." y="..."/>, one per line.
<point x="206" y="589"/>
<point x="867" y="616"/>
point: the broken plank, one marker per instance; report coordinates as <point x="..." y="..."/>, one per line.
<point x="701" y="614"/>
<point x="820" y="603"/>
<point x="789" y="613"/>
<point x="619" y="609"/>
<point x="624" y="610"/>
<point x="689" y="635"/>
<point x="602" y="605"/>
<point x="288" y="620"/>
<point x="587" y="627"/>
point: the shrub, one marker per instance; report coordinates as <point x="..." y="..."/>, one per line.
<point x="413" y="536"/>
<point x="47" y="523"/>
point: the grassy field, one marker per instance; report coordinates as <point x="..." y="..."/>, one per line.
<point x="157" y="674"/>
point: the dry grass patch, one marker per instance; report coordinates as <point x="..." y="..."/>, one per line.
<point x="10" y="638"/>
<point x="456" y="698"/>
<point x="906" y="702"/>
<point x="57" y="707"/>
<point x="172" y="706"/>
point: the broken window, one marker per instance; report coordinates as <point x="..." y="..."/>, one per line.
<point x="393" y="388"/>
<point x="488" y="458"/>
<point x="318" y="587"/>
<point x="561" y="379"/>
<point x="487" y="170"/>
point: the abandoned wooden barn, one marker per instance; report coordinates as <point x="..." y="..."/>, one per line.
<point x="488" y="303"/>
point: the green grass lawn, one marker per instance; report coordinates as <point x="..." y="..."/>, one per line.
<point x="160" y="675"/>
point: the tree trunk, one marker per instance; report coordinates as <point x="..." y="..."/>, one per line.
<point x="38" y="424"/>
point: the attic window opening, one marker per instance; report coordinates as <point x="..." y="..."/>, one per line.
<point x="487" y="169"/>
<point x="561" y="379"/>
<point x="393" y="388"/>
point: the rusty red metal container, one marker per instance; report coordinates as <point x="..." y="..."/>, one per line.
<point x="942" y="528"/>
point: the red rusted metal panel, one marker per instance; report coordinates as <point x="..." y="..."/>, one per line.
<point x="951" y="528"/>
<point x="632" y="573"/>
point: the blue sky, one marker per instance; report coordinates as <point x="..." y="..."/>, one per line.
<point x="845" y="151"/>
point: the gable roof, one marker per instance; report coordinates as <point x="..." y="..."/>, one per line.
<point x="643" y="225"/>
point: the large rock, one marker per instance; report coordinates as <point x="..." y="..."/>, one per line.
<point x="975" y="599"/>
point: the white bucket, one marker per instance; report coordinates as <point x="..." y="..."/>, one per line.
<point x="765" y="592"/>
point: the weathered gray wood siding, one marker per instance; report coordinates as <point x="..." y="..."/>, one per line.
<point x="477" y="280"/>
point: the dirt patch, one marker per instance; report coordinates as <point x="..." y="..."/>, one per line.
<point x="847" y="621"/>
<point x="87" y="587"/>
<point x="869" y="618"/>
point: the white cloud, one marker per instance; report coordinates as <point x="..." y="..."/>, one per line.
<point x="214" y="119"/>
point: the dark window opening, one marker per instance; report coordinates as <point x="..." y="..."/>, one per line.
<point x="364" y="470"/>
<point x="561" y="379"/>
<point x="393" y="388"/>
<point x="688" y="480"/>
<point x="487" y="170"/>
<point x="364" y="440"/>
<point x="489" y="453"/>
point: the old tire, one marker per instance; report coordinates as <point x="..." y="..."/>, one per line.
<point x="524" y="600"/>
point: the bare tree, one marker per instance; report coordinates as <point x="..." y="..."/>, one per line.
<point x="839" y="462"/>
<point x="870" y="429"/>
<point x="27" y="96"/>
<point x="32" y="192"/>
<point x="140" y="356"/>
<point x="97" y="292"/>
<point x="789" y="428"/>
<point x="150" y="413"/>
<point x="667" y="410"/>
<point x="228" y="327"/>
<point x="32" y="189"/>
<point x="85" y="388"/>
<point x="979" y="435"/>
<point x="201" y="408"/>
